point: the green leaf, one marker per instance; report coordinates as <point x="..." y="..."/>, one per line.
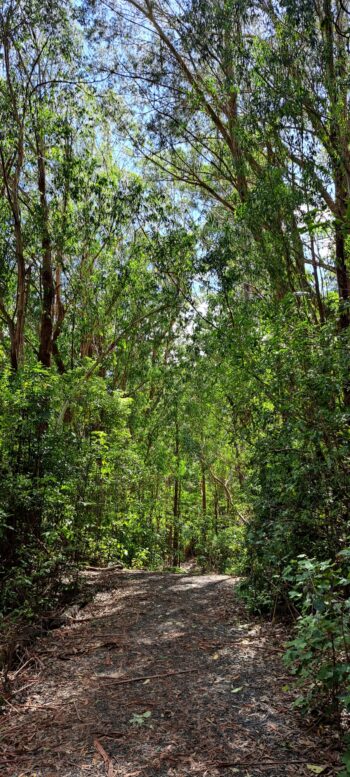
<point x="140" y="719"/>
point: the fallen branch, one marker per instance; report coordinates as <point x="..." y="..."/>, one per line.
<point x="110" y="568"/>
<point x="14" y="674"/>
<point x="24" y="688"/>
<point x="144" y="677"/>
<point x="228" y="764"/>
<point x="106" y="758"/>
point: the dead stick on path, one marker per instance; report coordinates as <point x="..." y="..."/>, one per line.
<point x="145" y="677"/>
<point x="224" y="764"/>
<point x="24" y="687"/>
<point x="106" y="758"/>
<point x="14" y="674"/>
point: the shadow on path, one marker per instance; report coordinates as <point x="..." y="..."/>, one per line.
<point x="211" y="692"/>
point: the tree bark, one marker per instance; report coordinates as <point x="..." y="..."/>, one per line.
<point x="176" y="502"/>
<point x="339" y="138"/>
<point x="47" y="277"/>
<point x="59" y="316"/>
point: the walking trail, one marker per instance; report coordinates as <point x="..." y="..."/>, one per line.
<point x="160" y="675"/>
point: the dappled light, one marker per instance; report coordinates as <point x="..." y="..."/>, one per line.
<point x="210" y="682"/>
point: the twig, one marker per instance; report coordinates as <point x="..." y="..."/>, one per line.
<point x="32" y="658"/>
<point x="104" y="569"/>
<point x="24" y="687"/>
<point x="227" y="764"/>
<point x="144" y="677"/>
<point x="77" y="711"/>
<point x="5" y="701"/>
<point x="266" y="647"/>
<point x="105" y="756"/>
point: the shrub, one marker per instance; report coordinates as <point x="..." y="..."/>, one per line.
<point x="319" y="654"/>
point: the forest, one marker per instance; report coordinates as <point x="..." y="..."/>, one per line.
<point x="175" y="306"/>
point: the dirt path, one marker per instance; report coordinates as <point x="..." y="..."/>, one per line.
<point x="205" y="695"/>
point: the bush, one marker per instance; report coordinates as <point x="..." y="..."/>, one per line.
<point x="63" y="452"/>
<point x="319" y="654"/>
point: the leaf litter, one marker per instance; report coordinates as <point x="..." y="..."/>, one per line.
<point x="161" y="675"/>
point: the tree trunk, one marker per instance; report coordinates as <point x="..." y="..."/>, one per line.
<point x="216" y="511"/>
<point x="11" y="188"/>
<point x="47" y="278"/>
<point x="17" y="344"/>
<point x="336" y="70"/>
<point x="320" y="305"/>
<point x="204" y="506"/>
<point x="59" y="318"/>
<point x="204" y="493"/>
<point x="341" y="265"/>
<point x="16" y="323"/>
<point x="176" y="503"/>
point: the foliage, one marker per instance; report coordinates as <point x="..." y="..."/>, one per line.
<point x="174" y="300"/>
<point x="299" y="482"/>
<point x="56" y="476"/>
<point x="319" y="653"/>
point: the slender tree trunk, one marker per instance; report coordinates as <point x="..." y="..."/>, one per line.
<point x="17" y="344"/>
<point x="59" y="318"/>
<point x="216" y="511"/>
<point x="11" y="187"/>
<point x="176" y="527"/>
<point x="320" y="305"/>
<point x="16" y="323"/>
<point x="47" y="277"/>
<point x="341" y="266"/>
<point x="204" y="493"/>
<point x="176" y="502"/>
<point x="336" y="71"/>
<point x="204" y="506"/>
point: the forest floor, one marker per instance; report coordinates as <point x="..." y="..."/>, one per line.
<point x="161" y="675"/>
